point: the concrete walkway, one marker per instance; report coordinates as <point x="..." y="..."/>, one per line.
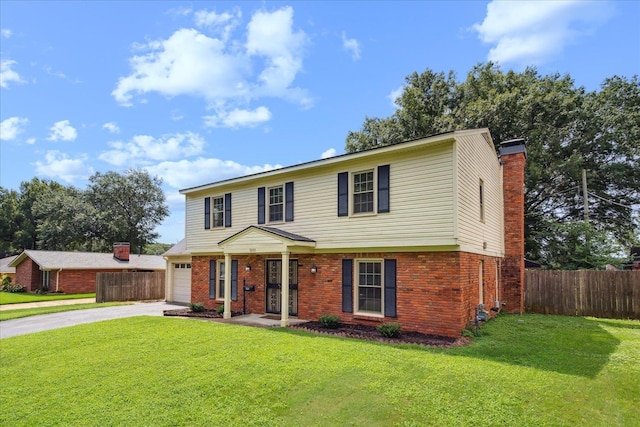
<point x="44" y="322"/>
<point x="53" y="303"/>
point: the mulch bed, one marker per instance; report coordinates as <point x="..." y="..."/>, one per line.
<point x="369" y="333"/>
<point x="186" y="312"/>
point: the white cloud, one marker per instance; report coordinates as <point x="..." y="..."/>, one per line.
<point x="220" y="69"/>
<point x="6" y="33"/>
<point x="145" y="148"/>
<point x="62" y="130"/>
<point x="185" y="173"/>
<point x="238" y="118"/>
<point x="7" y="74"/>
<point x="12" y="127"/>
<point x="187" y="63"/>
<point x="31" y="141"/>
<point x="328" y="153"/>
<point x="395" y="94"/>
<point x="59" y="166"/>
<point x="531" y="32"/>
<point x="351" y="45"/>
<point x="271" y="35"/>
<point x="221" y="24"/>
<point x="112" y="127"/>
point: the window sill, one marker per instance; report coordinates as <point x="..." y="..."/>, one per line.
<point x="369" y="316"/>
<point x="362" y="214"/>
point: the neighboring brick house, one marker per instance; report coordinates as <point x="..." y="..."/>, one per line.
<point x="5" y="270"/>
<point x="419" y="233"/>
<point x="75" y="272"/>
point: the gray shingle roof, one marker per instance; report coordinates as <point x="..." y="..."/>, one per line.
<point x="55" y="260"/>
<point x="4" y="265"/>
<point x="179" y="248"/>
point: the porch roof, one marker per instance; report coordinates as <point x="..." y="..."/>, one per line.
<point x="259" y="239"/>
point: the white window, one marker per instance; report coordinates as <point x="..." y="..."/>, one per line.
<point x="220" y="280"/>
<point x="369" y="286"/>
<point x="363" y="192"/>
<point x="218" y="211"/>
<point x="276" y="204"/>
<point x="481" y="200"/>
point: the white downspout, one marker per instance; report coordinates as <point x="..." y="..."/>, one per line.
<point x="58" y="280"/>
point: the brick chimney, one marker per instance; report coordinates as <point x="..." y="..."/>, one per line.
<point x="121" y="251"/>
<point x="513" y="155"/>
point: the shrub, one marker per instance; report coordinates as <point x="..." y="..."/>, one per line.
<point x="329" y="321"/>
<point x="6" y="280"/>
<point x="220" y="309"/>
<point x="196" y="307"/>
<point x="14" y="288"/>
<point x="389" y="330"/>
<point x="42" y="290"/>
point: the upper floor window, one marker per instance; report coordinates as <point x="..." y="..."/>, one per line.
<point x="218" y="211"/>
<point x="363" y="192"/>
<point x="481" y="195"/>
<point x="276" y="204"/>
<point x="221" y="211"/>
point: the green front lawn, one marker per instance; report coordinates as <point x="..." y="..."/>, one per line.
<point x="22" y="297"/>
<point x="532" y="370"/>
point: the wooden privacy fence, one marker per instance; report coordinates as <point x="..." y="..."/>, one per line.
<point x="607" y="294"/>
<point x="129" y="286"/>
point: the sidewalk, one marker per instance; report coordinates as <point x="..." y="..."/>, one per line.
<point x="46" y="303"/>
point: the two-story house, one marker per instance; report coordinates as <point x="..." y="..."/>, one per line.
<point x="419" y="233"/>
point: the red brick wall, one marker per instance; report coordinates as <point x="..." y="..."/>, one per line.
<point x="76" y="281"/>
<point x="69" y="281"/>
<point x="437" y="292"/>
<point x="513" y="264"/>
<point x="28" y="274"/>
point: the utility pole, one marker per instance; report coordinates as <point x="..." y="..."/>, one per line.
<point x="585" y="197"/>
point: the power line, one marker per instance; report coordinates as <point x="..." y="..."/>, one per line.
<point x="609" y="200"/>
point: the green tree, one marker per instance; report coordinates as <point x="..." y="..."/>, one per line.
<point x="63" y="220"/>
<point x="128" y="206"/>
<point x="26" y="237"/>
<point x="565" y="128"/>
<point x="10" y="217"/>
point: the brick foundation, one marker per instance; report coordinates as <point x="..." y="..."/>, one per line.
<point x="437" y="292"/>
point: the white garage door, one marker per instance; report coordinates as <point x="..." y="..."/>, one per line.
<point x="182" y="282"/>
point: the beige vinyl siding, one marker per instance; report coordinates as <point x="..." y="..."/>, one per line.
<point x="421" y="201"/>
<point x="477" y="160"/>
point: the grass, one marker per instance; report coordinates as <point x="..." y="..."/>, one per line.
<point x="542" y="371"/>
<point x="26" y="312"/>
<point x="22" y="297"/>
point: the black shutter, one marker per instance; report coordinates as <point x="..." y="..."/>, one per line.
<point x="207" y="213"/>
<point x="212" y="278"/>
<point x="234" y="280"/>
<point x="343" y="194"/>
<point x="347" y="285"/>
<point x="288" y="194"/>
<point x="383" y="189"/>
<point x="261" y="192"/>
<point x="390" y="287"/>
<point x="227" y="210"/>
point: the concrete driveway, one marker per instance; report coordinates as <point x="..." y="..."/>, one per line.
<point x="28" y="325"/>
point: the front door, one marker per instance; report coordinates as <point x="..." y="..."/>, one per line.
<point x="274" y="286"/>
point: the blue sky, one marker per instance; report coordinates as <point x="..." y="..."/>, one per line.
<point x="197" y="92"/>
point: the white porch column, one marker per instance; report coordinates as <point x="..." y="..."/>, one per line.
<point x="227" y="286"/>
<point x="284" y="306"/>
